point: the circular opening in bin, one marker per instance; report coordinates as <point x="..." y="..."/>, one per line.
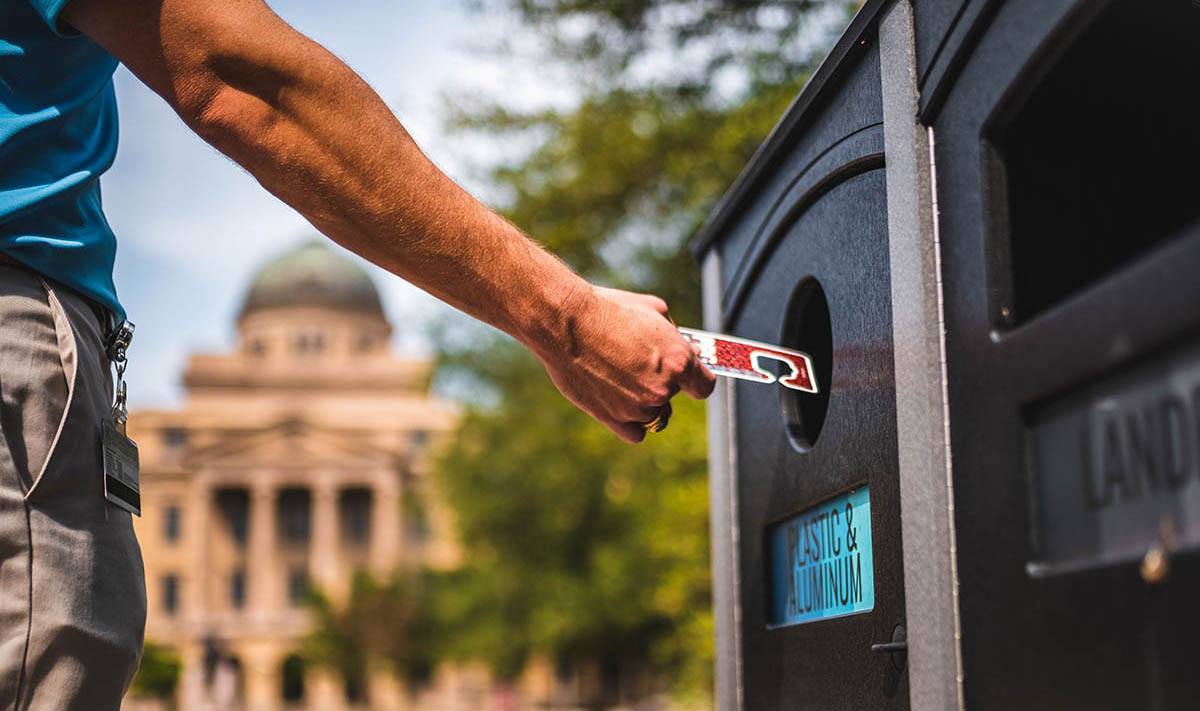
<point x="807" y="328"/>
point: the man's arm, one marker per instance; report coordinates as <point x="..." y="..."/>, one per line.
<point x="318" y="137"/>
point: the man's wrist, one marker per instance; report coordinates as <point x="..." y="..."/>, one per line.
<point x="549" y="323"/>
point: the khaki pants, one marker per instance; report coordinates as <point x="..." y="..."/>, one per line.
<point x="72" y="589"/>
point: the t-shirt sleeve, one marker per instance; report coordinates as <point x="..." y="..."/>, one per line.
<point x="49" y="11"/>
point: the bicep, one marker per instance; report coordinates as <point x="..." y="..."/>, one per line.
<point x="174" y="46"/>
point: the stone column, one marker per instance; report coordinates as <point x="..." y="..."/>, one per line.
<point x="325" y="573"/>
<point x="196" y="514"/>
<point x="197" y="510"/>
<point x="262" y="571"/>
<point x="323" y="689"/>
<point x="386" y="536"/>
<point x="260" y="676"/>
<point x="387" y="692"/>
<point x="192" y="694"/>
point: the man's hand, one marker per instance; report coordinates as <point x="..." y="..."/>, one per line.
<point x="314" y="134"/>
<point x="621" y="359"/>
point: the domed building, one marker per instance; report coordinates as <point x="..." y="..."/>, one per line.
<point x="296" y="460"/>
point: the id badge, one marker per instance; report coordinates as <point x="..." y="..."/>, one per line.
<point x="121" y="485"/>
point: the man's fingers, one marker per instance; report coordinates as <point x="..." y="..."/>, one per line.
<point x="696" y="380"/>
<point x="629" y="431"/>
<point x="640" y="413"/>
<point x="657" y="304"/>
<point x="650" y="301"/>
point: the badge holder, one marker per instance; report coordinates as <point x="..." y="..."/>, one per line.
<point x="121" y="465"/>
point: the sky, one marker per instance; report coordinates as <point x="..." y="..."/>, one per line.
<point x="192" y="227"/>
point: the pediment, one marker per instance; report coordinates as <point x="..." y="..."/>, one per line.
<point x="292" y="443"/>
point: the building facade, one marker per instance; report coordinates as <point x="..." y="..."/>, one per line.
<point x="296" y="460"/>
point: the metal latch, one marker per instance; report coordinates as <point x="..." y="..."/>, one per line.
<point x="897" y="648"/>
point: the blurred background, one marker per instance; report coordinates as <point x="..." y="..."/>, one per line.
<point x="354" y="496"/>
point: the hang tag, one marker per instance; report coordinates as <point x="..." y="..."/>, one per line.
<point x="747" y="360"/>
<point x="121" y="485"/>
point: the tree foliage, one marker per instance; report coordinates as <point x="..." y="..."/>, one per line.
<point x="619" y="183"/>
<point x="577" y="546"/>
<point x="387" y="621"/>
<point x="158" y="674"/>
<point x="769" y="42"/>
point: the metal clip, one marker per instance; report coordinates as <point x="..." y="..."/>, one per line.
<point x="118" y="352"/>
<point x="118" y="344"/>
<point x="120" y="410"/>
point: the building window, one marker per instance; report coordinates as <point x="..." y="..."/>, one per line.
<point x="174" y="445"/>
<point x="237" y="589"/>
<point x="365" y="341"/>
<point x="356" y="687"/>
<point x="610" y="683"/>
<point x="297" y="585"/>
<point x="171" y="523"/>
<point x="234" y="505"/>
<point x="170" y="593"/>
<point x="292" y="678"/>
<point x="293" y="512"/>
<point x="564" y="669"/>
<point x="174" y="437"/>
<point x="310" y="342"/>
<point x="257" y="347"/>
<point x="419" y="439"/>
<point x="355" y="505"/>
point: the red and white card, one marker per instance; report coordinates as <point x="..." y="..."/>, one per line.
<point x="747" y="360"/>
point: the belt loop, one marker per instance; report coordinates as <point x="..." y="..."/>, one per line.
<point x="106" y="319"/>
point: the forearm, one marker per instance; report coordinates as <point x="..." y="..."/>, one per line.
<point x="318" y="137"/>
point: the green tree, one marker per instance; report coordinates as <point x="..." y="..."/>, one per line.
<point x="694" y="46"/>
<point x="389" y="621"/>
<point x="619" y="183"/>
<point x="158" y="675"/>
<point x="576" y="546"/>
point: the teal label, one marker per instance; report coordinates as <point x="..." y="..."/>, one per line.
<point x="820" y="562"/>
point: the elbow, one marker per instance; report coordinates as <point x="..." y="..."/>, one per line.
<point x="233" y="99"/>
<point x="226" y="116"/>
<point x="199" y="101"/>
<point x="231" y="90"/>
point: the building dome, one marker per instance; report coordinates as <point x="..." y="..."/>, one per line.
<point x="312" y="274"/>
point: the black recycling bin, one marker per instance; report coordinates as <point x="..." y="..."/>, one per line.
<point x="982" y="220"/>
<point x="1067" y="144"/>
<point x="803" y="252"/>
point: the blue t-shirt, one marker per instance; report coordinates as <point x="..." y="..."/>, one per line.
<point x="58" y="133"/>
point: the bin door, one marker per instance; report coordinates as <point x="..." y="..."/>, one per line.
<point x="818" y="506"/>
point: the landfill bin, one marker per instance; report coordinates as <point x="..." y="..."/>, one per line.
<point x="1066" y="144"/>
<point x="982" y="221"/>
